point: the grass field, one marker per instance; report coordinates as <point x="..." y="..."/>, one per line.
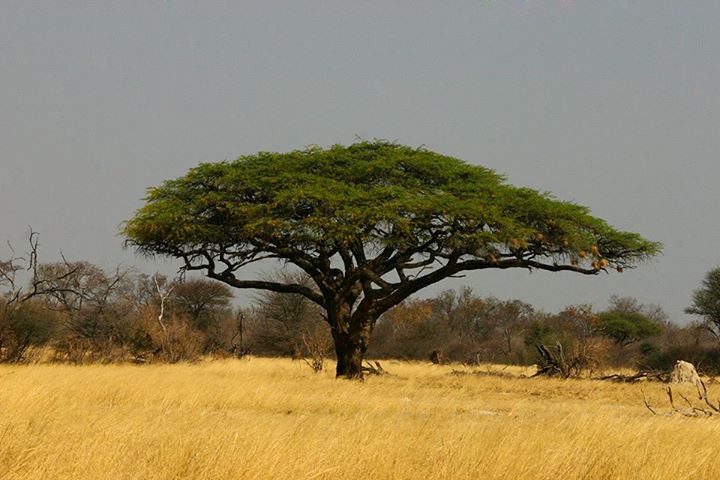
<point x="261" y="419"/>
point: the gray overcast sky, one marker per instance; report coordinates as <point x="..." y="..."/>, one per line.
<point x="613" y="104"/>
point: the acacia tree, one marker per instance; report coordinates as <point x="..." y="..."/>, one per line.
<point x="371" y="223"/>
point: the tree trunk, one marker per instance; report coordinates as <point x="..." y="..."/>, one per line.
<point x="350" y="350"/>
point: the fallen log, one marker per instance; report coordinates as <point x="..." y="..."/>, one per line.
<point x="376" y="369"/>
<point x="655" y="376"/>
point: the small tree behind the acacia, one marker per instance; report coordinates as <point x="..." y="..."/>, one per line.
<point x="625" y="328"/>
<point x="371" y="224"/>
<point x="93" y="301"/>
<point x="286" y="324"/>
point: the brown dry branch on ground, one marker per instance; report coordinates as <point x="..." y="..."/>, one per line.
<point x="707" y="408"/>
<point x="638" y="377"/>
<point x="556" y="364"/>
<point x="375" y="369"/>
<point x="486" y="373"/>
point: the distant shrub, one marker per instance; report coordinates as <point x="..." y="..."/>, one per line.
<point x="706" y="360"/>
<point x="625" y="328"/>
<point x="22" y="327"/>
<point x="647" y="349"/>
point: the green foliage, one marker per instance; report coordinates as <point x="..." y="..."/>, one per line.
<point x="705" y="357"/>
<point x="647" y="349"/>
<point x="625" y="328"/>
<point x="538" y="333"/>
<point x="380" y="193"/>
<point x="550" y="330"/>
<point x="706" y="301"/>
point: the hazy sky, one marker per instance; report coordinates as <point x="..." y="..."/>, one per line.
<point x="612" y="104"/>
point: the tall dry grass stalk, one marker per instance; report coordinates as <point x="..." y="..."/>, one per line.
<point x="276" y="419"/>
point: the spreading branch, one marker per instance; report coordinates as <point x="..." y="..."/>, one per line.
<point x="271" y="286"/>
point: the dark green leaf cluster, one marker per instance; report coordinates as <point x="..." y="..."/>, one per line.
<point x="706" y="299"/>
<point x="626" y="327"/>
<point x="380" y="194"/>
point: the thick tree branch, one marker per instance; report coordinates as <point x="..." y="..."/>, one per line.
<point x="521" y="263"/>
<point x="400" y="291"/>
<point x="271" y="286"/>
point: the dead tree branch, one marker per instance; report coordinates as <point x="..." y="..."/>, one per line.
<point x="376" y="369"/>
<point x="554" y="364"/>
<point x="638" y="377"/>
<point x="692" y="410"/>
<point x="163" y="297"/>
<point x="41" y="283"/>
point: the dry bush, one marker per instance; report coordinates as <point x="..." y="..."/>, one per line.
<point x="278" y="323"/>
<point x="79" y="351"/>
<point x="316" y="346"/>
<point x="23" y="326"/>
<point x="178" y="341"/>
<point x="410" y="331"/>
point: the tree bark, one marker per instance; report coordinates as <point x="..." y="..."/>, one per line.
<point x="350" y="348"/>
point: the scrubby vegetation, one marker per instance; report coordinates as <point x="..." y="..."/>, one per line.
<point x="76" y="312"/>
<point x="84" y="314"/>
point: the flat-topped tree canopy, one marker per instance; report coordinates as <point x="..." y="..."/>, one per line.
<point x="370" y="223"/>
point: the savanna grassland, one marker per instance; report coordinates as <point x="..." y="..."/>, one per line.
<point x="260" y="418"/>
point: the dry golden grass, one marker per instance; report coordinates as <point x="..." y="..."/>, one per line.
<point x="262" y="419"/>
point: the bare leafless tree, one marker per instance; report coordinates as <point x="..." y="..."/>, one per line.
<point x="22" y="324"/>
<point x="39" y="284"/>
<point x="163" y="293"/>
<point x="237" y="341"/>
<point x="281" y="320"/>
<point x="92" y="300"/>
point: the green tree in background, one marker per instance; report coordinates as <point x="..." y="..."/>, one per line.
<point x="625" y="328"/>
<point x="371" y="223"/>
<point x="706" y="302"/>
